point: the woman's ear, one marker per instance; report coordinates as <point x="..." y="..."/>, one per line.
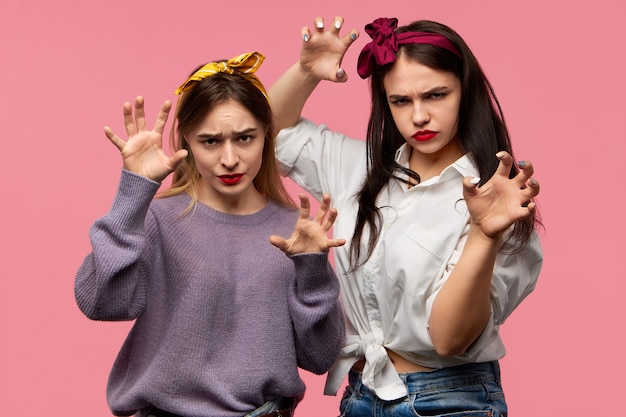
<point x="267" y="135"/>
<point x="185" y="143"/>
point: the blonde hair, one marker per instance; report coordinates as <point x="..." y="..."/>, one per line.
<point x="191" y="110"/>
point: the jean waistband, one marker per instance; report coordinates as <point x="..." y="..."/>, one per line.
<point x="280" y="407"/>
<point x="277" y="413"/>
<point x="450" y="377"/>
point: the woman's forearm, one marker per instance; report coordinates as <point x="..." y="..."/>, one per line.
<point x="289" y="94"/>
<point x="463" y="306"/>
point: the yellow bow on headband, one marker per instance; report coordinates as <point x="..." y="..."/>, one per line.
<point x="245" y="64"/>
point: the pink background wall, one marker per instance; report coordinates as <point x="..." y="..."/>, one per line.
<point x="67" y="67"/>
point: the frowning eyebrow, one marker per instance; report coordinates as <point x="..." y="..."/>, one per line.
<point x="208" y="135"/>
<point x="435" y="90"/>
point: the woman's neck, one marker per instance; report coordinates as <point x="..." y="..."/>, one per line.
<point x="248" y="202"/>
<point x="432" y="164"/>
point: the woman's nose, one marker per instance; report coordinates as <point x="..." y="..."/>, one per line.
<point x="229" y="158"/>
<point x="420" y="114"/>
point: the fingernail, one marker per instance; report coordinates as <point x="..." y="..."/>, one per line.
<point x="533" y="182"/>
<point x="522" y="164"/>
<point x="319" y="24"/>
<point x="341" y="73"/>
<point x="475" y="181"/>
<point x="353" y="36"/>
<point x="306" y="37"/>
<point x="337" y="24"/>
<point x="500" y="155"/>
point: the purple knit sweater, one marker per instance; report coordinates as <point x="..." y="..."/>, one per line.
<point x="223" y="319"/>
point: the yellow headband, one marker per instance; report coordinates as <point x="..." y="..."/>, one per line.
<point x="245" y="64"/>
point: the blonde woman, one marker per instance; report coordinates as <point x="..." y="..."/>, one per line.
<point x="223" y="319"/>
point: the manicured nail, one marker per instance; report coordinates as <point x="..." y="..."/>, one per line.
<point x="337" y="24"/>
<point x="353" y="36"/>
<point x="533" y="182"/>
<point x="319" y="24"/>
<point x="474" y="181"/>
<point x="306" y="37"/>
<point x="341" y="73"/>
<point x="500" y="155"/>
<point x="522" y="164"/>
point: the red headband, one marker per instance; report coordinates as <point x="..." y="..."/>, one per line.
<point x="384" y="45"/>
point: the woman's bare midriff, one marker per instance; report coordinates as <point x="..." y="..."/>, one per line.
<point x="401" y="364"/>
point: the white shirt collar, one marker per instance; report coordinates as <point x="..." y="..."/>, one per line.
<point x="463" y="166"/>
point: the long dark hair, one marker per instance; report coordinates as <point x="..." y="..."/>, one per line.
<point x="192" y="108"/>
<point x="482" y="132"/>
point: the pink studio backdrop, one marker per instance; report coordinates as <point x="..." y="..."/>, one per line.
<point x="67" y="67"/>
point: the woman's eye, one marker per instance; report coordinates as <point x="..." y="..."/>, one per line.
<point x="209" y="142"/>
<point x="245" y="138"/>
<point x="399" y="101"/>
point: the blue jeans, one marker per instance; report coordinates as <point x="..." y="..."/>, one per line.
<point x="471" y="390"/>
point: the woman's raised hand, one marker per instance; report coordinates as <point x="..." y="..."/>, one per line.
<point x="500" y="202"/>
<point x="323" y="50"/>
<point x="143" y="152"/>
<point x="310" y="235"/>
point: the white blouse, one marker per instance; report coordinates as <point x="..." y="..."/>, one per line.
<point x="388" y="300"/>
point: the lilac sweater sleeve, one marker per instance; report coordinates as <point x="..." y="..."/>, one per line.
<point x="111" y="282"/>
<point x="316" y="312"/>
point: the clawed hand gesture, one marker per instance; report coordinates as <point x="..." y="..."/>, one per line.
<point x="323" y="50"/>
<point x="310" y="235"/>
<point x="501" y="201"/>
<point x="143" y="152"/>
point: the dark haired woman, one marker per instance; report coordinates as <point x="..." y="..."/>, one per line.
<point x="439" y="217"/>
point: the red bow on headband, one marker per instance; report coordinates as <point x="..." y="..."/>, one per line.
<point x="384" y="45"/>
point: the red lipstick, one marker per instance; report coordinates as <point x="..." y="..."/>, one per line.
<point x="230" y="179"/>
<point x="424" y="135"/>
